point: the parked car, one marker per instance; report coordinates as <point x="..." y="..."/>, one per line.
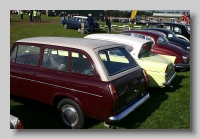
<point x="78" y="77"/>
<point x="175" y="27"/>
<point x="75" y="22"/>
<point x="160" y="68"/>
<point x="15" y="123"/>
<point x="171" y="36"/>
<point x="162" y="46"/>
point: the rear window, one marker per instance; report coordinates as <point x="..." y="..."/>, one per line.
<point x="145" y="50"/>
<point x="117" y="60"/>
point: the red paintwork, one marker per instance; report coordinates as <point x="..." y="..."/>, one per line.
<point x="50" y="86"/>
<point x="169" y="49"/>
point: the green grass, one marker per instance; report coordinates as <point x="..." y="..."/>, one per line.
<point x="167" y="108"/>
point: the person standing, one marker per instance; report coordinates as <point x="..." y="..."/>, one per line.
<point x="61" y="16"/>
<point x="90" y="20"/>
<point x="38" y="16"/>
<point x="31" y="15"/>
<point x="21" y="13"/>
<point x="34" y="15"/>
<point x="108" y="24"/>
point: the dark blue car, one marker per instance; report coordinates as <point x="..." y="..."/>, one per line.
<point x="171" y="36"/>
<point x="75" y="22"/>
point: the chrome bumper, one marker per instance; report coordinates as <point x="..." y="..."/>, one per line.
<point x="170" y="80"/>
<point x="183" y="66"/>
<point x="130" y="109"/>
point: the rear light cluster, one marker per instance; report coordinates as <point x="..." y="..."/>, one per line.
<point x="186" y="59"/>
<point x="146" y="77"/>
<point x="19" y="125"/>
<point x="114" y="94"/>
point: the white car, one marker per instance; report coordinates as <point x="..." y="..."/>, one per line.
<point x="15" y="123"/>
<point x="160" y="68"/>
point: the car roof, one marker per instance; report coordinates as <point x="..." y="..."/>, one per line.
<point x="167" y="23"/>
<point x="135" y="42"/>
<point x="118" y="38"/>
<point x="159" y="29"/>
<point x="146" y="32"/>
<point x="81" y="16"/>
<point x="78" y="43"/>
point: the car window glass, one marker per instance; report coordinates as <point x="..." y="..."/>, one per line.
<point x="145" y="50"/>
<point x="55" y="59"/>
<point x="162" y="40"/>
<point x="150" y="38"/>
<point x="177" y="30"/>
<point x="81" y="64"/>
<point x="84" y="20"/>
<point x="13" y="55"/>
<point x="116" y="60"/>
<point x="27" y="55"/>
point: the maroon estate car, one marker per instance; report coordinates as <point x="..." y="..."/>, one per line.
<point x="78" y="77"/>
<point x="162" y="46"/>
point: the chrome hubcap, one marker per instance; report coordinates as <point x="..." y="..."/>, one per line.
<point x="69" y="115"/>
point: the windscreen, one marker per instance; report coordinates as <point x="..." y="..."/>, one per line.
<point x="117" y="60"/>
<point x="145" y="50"/>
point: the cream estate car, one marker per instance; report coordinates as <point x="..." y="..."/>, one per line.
<point x="160" y="68"/>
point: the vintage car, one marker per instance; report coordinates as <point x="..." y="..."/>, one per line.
<point x="162" y="46"/>
<point x="171" y="36"/>
<point x="160" y="68"/>
<point x="75" y="22"/>
<point x="177" y="28"/>
<point x="78" y="77"/>
<point x="15" y="123"/>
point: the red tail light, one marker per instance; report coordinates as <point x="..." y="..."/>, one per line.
<point x="114" y="94"/>
<point x="166" y="72"/>
<point x="19" y="125"/>
<point x="146" y="77"/>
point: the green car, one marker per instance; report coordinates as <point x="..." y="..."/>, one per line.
<point x="160" y="68"/>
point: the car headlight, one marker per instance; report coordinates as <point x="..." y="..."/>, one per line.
<point x="185" y="58"/>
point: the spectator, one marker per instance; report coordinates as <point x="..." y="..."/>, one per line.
<point x="21" y="13"/>
<point x="184" y="22"/>
<point x="108" y="24"/>
<point x="31" y="15"/>
<point x="34" y="15"/>
<point x="39" y="16"/>
<point x="47" y="13"/>
<point x="65" y="16"/>
<point x="90" y="20"/>
<point x="61" y="16"/>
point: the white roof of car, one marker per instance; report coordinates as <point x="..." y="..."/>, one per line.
<point x="81" y="17"/>
<point x="79" y="43"/>
<point x="123" y="39"/>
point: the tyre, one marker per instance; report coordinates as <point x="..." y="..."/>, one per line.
<point x="70" y="114"/>
<point x="65" y="26"/>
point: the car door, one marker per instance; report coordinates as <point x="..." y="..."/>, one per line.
<point x="24" y="62"/>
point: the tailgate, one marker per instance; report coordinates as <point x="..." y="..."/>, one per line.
<point x="130" y="88"/>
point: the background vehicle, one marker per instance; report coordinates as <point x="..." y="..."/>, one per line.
<point x="15" y="123"/>
<point x="75" y="22"/>
<point x="175" y="27"/>
<point x="162" y="46"/>
<point x="173" y="39"/>
<point x="160" y="68"/>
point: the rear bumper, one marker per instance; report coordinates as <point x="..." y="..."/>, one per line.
<point x="130" y="109"/>
<point x="170" y="80"/>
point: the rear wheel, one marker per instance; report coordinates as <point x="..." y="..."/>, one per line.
<point x="65" y="26"/>
<point x="70" y="114"/>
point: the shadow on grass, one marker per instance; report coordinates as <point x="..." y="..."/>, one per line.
<point x="35" y="115"/>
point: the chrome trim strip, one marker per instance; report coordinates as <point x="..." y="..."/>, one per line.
<point x="170" y="80"/>
<point x="182" y="65"/>
<point x="56" y="86"/>
<point x="130" y="109"/>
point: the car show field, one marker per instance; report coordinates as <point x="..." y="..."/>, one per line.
<point x="167" y="108"/>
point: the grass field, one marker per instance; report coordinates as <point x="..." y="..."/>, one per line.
<point x="167" y="108"/>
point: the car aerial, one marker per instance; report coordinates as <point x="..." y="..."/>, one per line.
<point x="160" y="68"/>
<point x="179" y="29"/>
<point x="162" y="46"/>
<point x="171" y="36"/>
<point x="78" y="78"/>
<point x="75" y="22"/>
<point x="15" y="123"/>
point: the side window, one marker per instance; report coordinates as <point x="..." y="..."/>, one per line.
<point x="81" y="64"/>
<point x="27" y="55"/>
<point x="177" y="30"/>
<point x="55" y="59"/>
<point x="150" y="38"/>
